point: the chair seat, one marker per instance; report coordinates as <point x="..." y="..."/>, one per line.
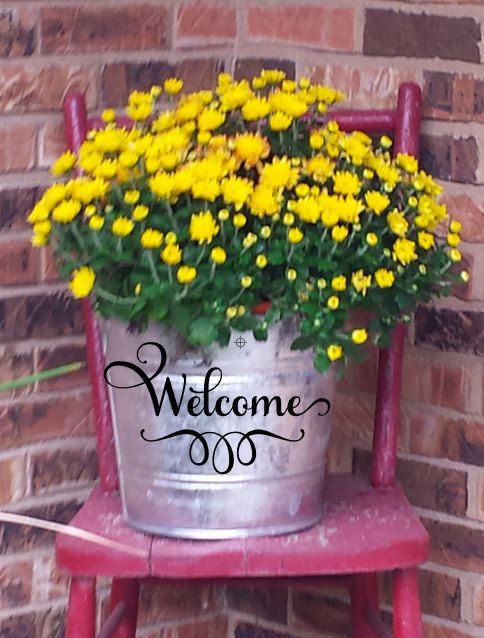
<point x="363" y="529"/>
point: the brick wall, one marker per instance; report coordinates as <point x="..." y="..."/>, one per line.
<point x="47" y="462"/>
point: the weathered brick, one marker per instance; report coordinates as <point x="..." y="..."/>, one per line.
<point x="451" y="96"/>
<point x="313" y="611"/>
<point x="82" y="28"/>
<point x="50" y="272"/>
<point x="176" y="602"/>
<point x="48" y="582"/>
<point x="15" y="584"/>
<point x="310" y="25"/>
<point x="479" y="101"/>
<point x="51" y="142"/>
<point x="59" y="356"/>
<point x="457" y="439"/>
<point x="17" y="147"/>
<point x="465" y="291"/>
<point x="206" y="21"/>
<point x="246" y="630"/>
<point x="119" y="79"/>
<point x="269" y="603"/>
<point x="440" y="593"/>
<point x="247" y="68"/>
<point x="420" y="35"/>
<point x="15" y="204"/>
<point x="427" y="486"/>
<point x="436" y="155"/>
<point x="361" y="376"/>
<point x="17" y="33"/>
<point x="213" y="627"/>
<point x="22" y="625"/>
<point x="28" y="88"/>
<point x="461" y="331"/>
<point x="470" y="211"/>
<point x="439" y="631"/>
<point x="12" y="479"/>
<point x="464" y="160"/>
<point x="22" y="538"/>
<point x="44" y="420"/>
<point x="54" y="470"/>
<point x="479" y="604"/>
<point x="19" y="263"/>
<point x="15" y="363"/>
<point x="39" y="316"/>
<point x="456" y="545"/>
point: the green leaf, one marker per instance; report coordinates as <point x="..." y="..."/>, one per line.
<point x="321" y="362"/>
<point x="202" y="332"/>
<point x="302" y="343"/>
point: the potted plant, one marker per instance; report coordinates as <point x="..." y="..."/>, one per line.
<point x="226" y="238"/>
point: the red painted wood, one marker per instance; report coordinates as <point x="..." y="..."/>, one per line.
<point x="112" y="621"/>
<point x="366" y="121"/>
<point x="364" y="602"/>
<point x="407" y="616"/>
<point x="76" y="126"/>
<point x="81" y="611"/>
<point x="387" y="403"/>
<point x="363" y="529"/>
<point x="125" y="591"/>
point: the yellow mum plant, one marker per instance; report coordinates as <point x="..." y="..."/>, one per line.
<point x="200" y="211"/>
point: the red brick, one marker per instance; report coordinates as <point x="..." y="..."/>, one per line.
<point x="206" y="21"/>
<point x="59" y="356"/>
<point x="461" y="331"/>
<point x="58" y="469"/>
<point x="17" y="147"/>
<point x="456" y="545"/>
<point x="426" y="486"/>
<point x="51" y="143"/>
<point x="213" y="627"/>
<point x="19" y="263"/>
<point x="420" y="35"/>
<point x="15" y="363"/>
<point x="177" y="601"/>
<point x="469" y="211"/>
<point x="40" y="316"/>
<point x="50" y="272"/>
<point x="17" y="33"/>
<point x="479" y="604"/>
<point x="25" y="423"/>
<point x="457" y="439"/>
<point x="248" y="630"/>
<point x="82" y="28"/>
<point x="48" y="582"/>
<point x="15" y="204"/>
<point x="12" y="479"/>
<point x="450" y="96"/>
<point x="28" y="88"/>
<point x="15" y="584"/>
<point x="310" y="25"/>
<point x="439" y="631"/>
<point x="313" y="611"/>
<point x="247" y="68"/>
<point x="269" y="603"/>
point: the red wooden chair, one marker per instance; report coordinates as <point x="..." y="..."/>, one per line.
<point x="369" y="526"/>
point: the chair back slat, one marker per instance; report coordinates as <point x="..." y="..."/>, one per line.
<point x="404" y="122"/>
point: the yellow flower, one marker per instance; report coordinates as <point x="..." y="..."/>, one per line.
<point x="265" y="232"/>
<point x="321" y="283"/>
<point x="384" y="278"/>
<point x="186" y="274"/>
<point x="288" y="219"/>
<point x="455" y="255"/>
<point x="140" y="212"/>
<point x="359" y="336"/>
<point x="137" y="289"/>
<point x="280" y="121"/>
<point x="66" y="211"/>
<point x="64" y="164"/>
<point x="316" y="140"/>
<point x="295" y="235"/>
<point x="96" y="222"/>
<point x="122" y="226"/>
<point x="307" y="209"/>
<point x="82" y="281"/>
<point x="240" y="311"/>
<point x="162" y="184"/>
<point x="246" y="281"/>
<point x="377" y="202"/>
<point x="360" y="281"/>
<point x="204" y="137"/>
<point x="218" y="255"/>
<point x="203" y="227"/>
<point x="39" y="240"/>
<point x="385" y="142"/>
<point x="334" y="352"/>
<point x="131" y="197"/>
<point x="333" y="302"/>
<point x="413" y="201"/>
<point x="171" y="254"/>
<point x="291" y="274"/>
<point x="223" y="214"/>
<point x="210" y="119"/>
<point x="339" y="283"/>
<point x="255" y="109"/>
<point x="371" y="239"/>
<point x="319" y="167"/>
<point x="425" y="240"/>
<point x="173" y="86"/>
<point x="339" y="233"/>
<point x="455" y="226"/>
<point x="279" y="174"/>
<point x="236" y="191"/>
<point x="231" y="312"/>
<point x="107" y="169"/>
<point x="108" y="115"/>
<point x="302" y="190"/>
<point x="208" y="189"/>
<point x="249" y="240"/>
<point x="397" y="223"/>
<point x="346" y="183"/>
<point x="404" y="251"/>
<point x="239" y="220"/>
<point x="464" y="275"/>
<point x="151" y="238"/>
<point x="453" y="239"/>
<point x="422" y="269"/>
<point x="407" y="162"/>
<point x="250" y="148"/>
<point x="139" y="112"/>
<point x="261" y="261"/>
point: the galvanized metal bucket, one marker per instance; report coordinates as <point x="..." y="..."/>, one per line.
<point x="176" y="483"/>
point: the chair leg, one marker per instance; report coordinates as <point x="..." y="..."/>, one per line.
<point x="407" y="616"/>
<point x="125" y="590"/>
<point x="81" y="611"/>
<point x="364" y="599"/>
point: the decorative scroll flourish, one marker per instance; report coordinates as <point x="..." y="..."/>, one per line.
<point x="199" y="437"/>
